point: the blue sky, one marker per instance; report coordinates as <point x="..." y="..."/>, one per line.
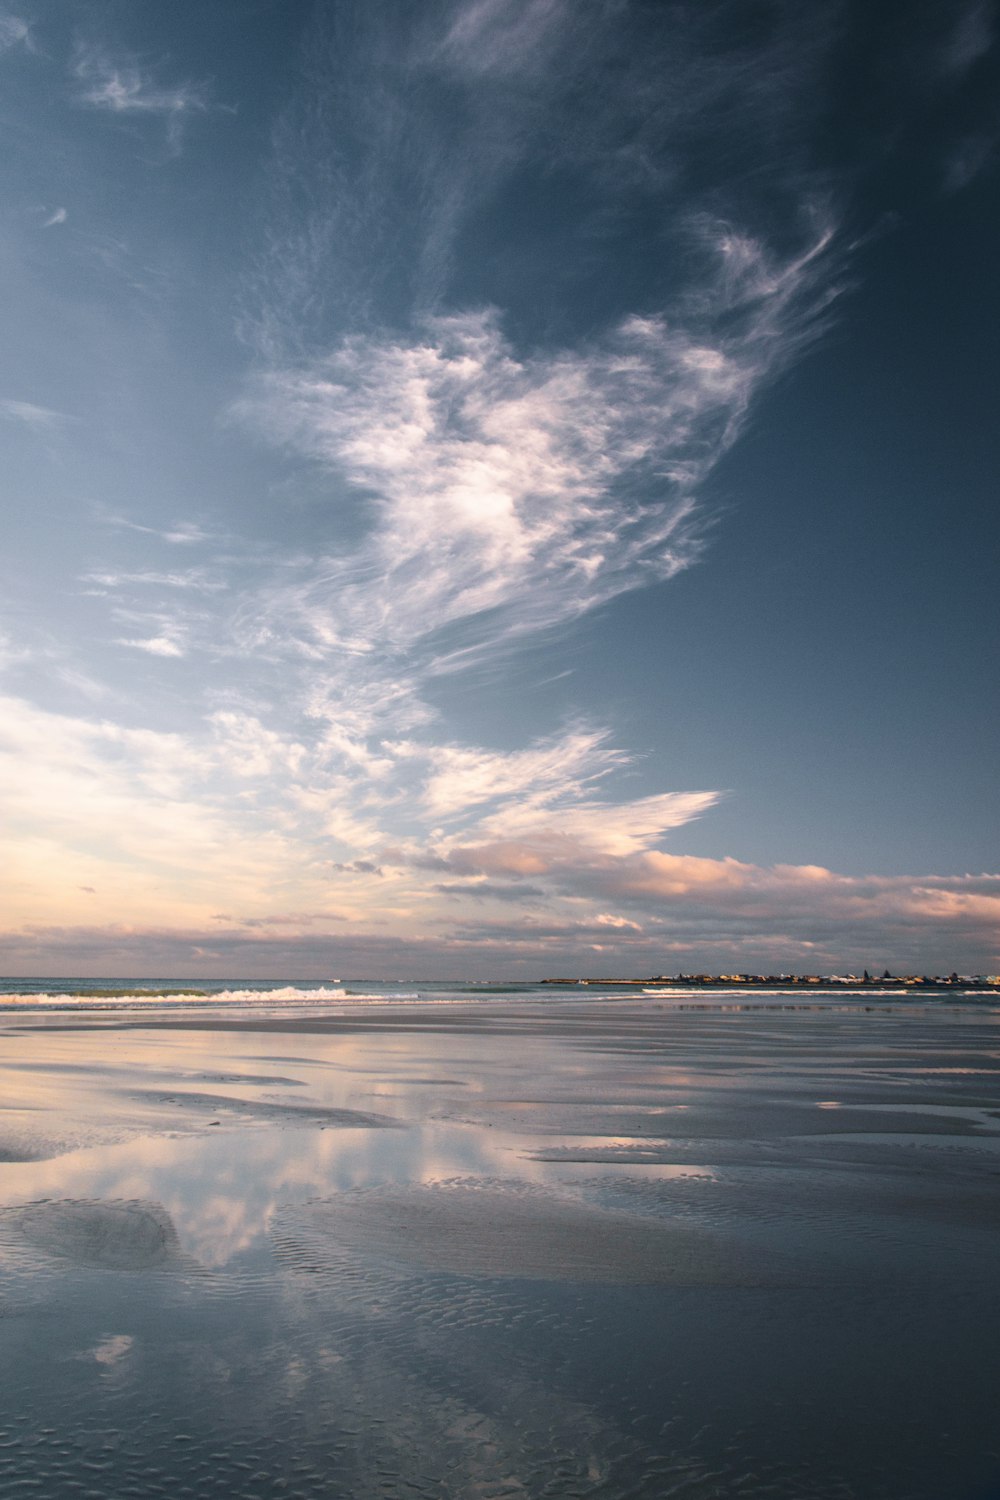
<point x="498" y="487"/>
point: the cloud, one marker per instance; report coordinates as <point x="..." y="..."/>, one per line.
<point x="910" y="924"/>
<point x="195" y="579"/>
<point x="146" y="819"/>
<point x="155" y="645"/>
<point x="13" y="653"/>
<point x="168" y="614"/>
<point x="57" y="216"/>
<point x="967" y="159"/>
<point x="970" y="41"/>
<point x="685" y="892"/>
<point x="181" y="534"/>
<point x="133" y="833"/>
<point x="41" y="418"/>
<point x="473" y="491"/>
<point x="504" y="35"/>
<point x="462" y="778"/>
<point x="133" y="811"/>
<point x="129" y="90"/>
<point x="13" y="30"/>
<point x="126" y="88"/>
<point x="490" y="890"/>
<point x="512" y="493"/>
<point x="532" y="828"/>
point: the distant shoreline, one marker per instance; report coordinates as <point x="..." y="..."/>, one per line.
<point x="918" y="984"/>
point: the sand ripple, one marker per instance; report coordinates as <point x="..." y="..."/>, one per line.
<point x="116" y="1235"/>
<point x="484" y="1228"/>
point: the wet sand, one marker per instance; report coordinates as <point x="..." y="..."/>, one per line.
<point x="516" y="1249"/>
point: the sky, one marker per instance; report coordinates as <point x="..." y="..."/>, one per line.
<point x="499" y="488"/>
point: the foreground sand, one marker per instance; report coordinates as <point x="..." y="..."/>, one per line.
<point x="506" y="1250"/>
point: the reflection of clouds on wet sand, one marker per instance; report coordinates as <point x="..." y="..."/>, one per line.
<point x="222" y="1188"/>
<point x="112" y="1349"/>
<point x="375" y="1382"/>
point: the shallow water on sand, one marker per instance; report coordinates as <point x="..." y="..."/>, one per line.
<point x="537" y="1251"/>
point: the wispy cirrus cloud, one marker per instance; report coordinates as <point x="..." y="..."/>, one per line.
<point x="30" y="414"/>
<point x="461" y="778"/>
<point x="967" y="159"/>
<point x="180" y="533"/>
<point x="196" y="579"/>
<point x="510" y="493"/>
<point x="412" y="128"/>
<point x="156" y="645"/>
<point x="14" y="31"/>
<point x="483" y="490"/>
<point x="972" y="38"/>
<point x="127" y="88"/>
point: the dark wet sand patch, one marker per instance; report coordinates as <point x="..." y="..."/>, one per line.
<point x="488" y="1229"/>
<point x="451" y="1083"/>
<point x="716" y="1122"/>
<point x="15" y="1148"/>
<point x="264" y="1110"/>
<point x="94" y="1070"/>
<point x="251" y="1080"/>
<point x="834" y="1202"/>
<point x="31" y="1145"/>
<point x="115" y="1235"/>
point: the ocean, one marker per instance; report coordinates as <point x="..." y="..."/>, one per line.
<point x="112" y="993"/>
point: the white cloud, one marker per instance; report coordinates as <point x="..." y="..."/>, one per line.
<point x="248" y="749"/>
<point x="515" y="492"/>
<point x="42" y="418"/>
<point x="506" y="35"/>
<point x="182" y="533"/>
<point x="462" y="778"/>
<point x="195" y="579"/>
<point x="12" y="653"/>
<point x="155" y="645"/>
<point x="57" y="216"/>
<point x="128" y="89"/>
<point x="123" y="88"/>
<point x="13" y="30"/>
<point x="590" y="827"/>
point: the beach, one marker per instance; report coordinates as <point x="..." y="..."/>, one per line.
<point x="524" y="1245"/>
